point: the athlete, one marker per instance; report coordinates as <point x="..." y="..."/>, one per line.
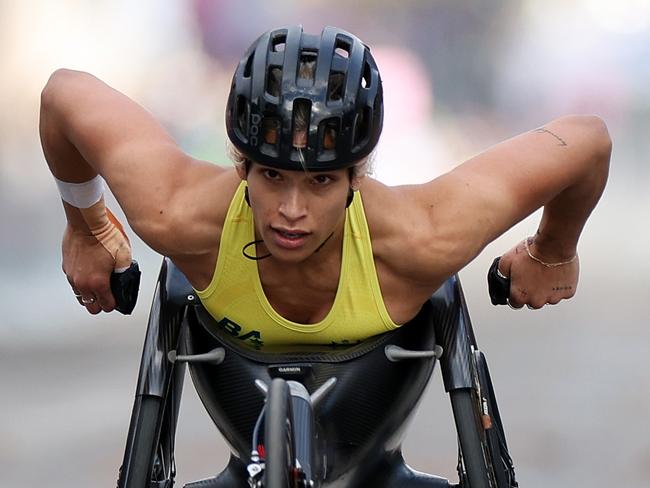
<point x="296" y="244"/>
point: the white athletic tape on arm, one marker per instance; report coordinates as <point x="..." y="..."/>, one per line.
<point x="81" y="195"/>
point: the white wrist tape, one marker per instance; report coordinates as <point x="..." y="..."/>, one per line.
<point x="81" y="195"/>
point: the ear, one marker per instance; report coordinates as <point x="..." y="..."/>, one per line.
<point x="241" y="171"/>
<point x="356" y="182"/>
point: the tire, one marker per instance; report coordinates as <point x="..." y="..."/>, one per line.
<point x="497" y="447"/>
<point x="137" y="468"/>
<point x="473" y="469"/>
<point x="278" y="437"/>
<point x="484" y="460"/>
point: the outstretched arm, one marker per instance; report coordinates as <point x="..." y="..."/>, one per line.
<point x="562" y="166"/>
<point x="87" y="128"/>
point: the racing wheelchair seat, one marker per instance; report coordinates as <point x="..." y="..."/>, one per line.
<point x="361" y="422"/>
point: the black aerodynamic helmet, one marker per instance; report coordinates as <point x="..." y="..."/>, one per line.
<point x="331" y="79"/>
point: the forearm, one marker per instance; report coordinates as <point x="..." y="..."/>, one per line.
<point x="81" y="193"/>
<point x="63" y="158"/>
<point x="565" y="214"/>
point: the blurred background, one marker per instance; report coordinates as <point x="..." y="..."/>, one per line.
<point x="573" y="380"/>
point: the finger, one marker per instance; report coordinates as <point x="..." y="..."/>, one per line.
<point x="105" y="298"/>
<point x="505" y="264"/>
<point x="553" y="301"/>
<point x="89" y="300"/>
<point x="93" y="308"/>
<point x="91" y="305"/>
<point x="75" y="290"/>
<point x="518" y="297"/>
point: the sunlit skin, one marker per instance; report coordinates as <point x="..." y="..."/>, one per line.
<point x="421" y="234"/>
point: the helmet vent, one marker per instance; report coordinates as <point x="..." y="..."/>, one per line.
<point x="249" y="66"/>
<point x="361" y="128"/>
<point x="301" y="116"/>
<point x="366" y="77"/>
<point x="241" y="115"/>
<point x="342" y="48"/>
<point x="307" y="67"/>
<point x="270" y="136"/>
<point x="279" y="43"/>
<point x="335" y="87"/>
<point x="271" y="130"/>
<point x="328" y="131"/>
<point x="274" y="81"/>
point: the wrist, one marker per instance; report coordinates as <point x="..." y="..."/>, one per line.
<point x="81" y="195"/>
<point x="552" y="249"/>
<point x="99" y="224"/>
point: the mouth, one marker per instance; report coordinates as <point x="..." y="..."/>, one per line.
<point x="289" y="238"/>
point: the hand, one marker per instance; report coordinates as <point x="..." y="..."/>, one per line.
<point x="88" y="266"/>
<point x="533" y="284"/>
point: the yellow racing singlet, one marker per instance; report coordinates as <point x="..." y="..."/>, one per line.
<point x="236" y="299"/>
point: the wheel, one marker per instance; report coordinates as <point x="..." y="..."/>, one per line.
<point x="503" y="468"/>
<point x="484" y="461"/>
<point x="278" y="437"/>
<point x="147" y="458"/>
<point x="473" y="467"/>
<point x="138" y="461"/>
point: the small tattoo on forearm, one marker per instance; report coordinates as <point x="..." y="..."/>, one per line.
<point x="541" y="130"/>
<point x="562" y="288"/>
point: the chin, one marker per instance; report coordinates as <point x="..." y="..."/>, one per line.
<point x="290" y="255"/>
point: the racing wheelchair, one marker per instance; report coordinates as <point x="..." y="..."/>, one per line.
<point x="331" y="416"/>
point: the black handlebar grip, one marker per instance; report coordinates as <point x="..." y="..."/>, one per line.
<point x="125" y="287"/>
<point x="498" y="285"/>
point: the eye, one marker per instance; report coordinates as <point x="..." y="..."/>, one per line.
<point x="322" y="179"/>
<point x="271" y="174"/>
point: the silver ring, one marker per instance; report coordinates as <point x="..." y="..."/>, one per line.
<point x="88" y="301"/>
<point x="77" y="295"/>
<point x="513" y="307"/>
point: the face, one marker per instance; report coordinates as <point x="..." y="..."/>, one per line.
<point x="294" y="211"/>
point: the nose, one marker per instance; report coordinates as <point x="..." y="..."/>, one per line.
<point x="293" y="206"/>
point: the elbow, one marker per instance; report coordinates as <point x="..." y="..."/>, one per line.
<point x="53" y="85"/>
<point x="602" y="142"/>
<point x="60" y="82"/>
<point x="602" y="149"/>
<point x="596" y="135"/>
<point x="599" y="144"/>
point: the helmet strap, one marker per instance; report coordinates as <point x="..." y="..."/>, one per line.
<point x="350" y="198"/>
<point x="249" y="256"/>
<point x="324" y="242"/>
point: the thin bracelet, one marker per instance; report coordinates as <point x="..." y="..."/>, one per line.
<point x="548" y="265"/>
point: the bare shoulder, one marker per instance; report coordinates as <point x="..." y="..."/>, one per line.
<point x="192" y="235"/>
<point x="404" y="242"/>
<point x="198" y="209"/>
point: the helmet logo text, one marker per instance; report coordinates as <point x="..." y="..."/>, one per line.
<point x="255" y="128"/>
